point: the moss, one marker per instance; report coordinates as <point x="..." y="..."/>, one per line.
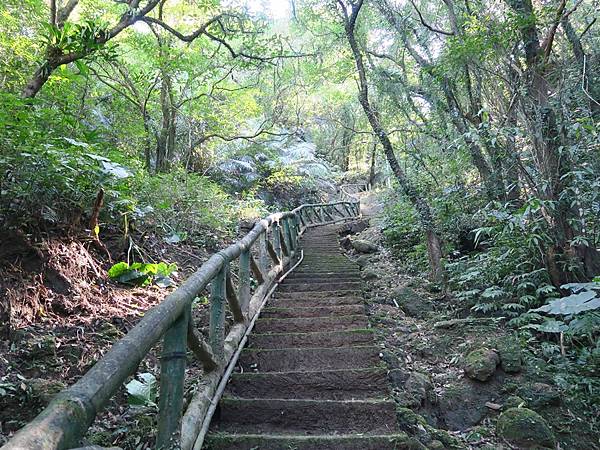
<point x="526" y="428"/>
<point x="411" y="421"/>
<point x="510" y="355"/>
<point x="481" y="364"/>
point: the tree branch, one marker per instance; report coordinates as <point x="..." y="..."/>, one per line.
<point x="426" y="25"/>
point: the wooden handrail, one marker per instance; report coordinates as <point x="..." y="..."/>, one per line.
<point x="63" y="423"/>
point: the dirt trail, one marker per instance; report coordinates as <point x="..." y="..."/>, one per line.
<point x="311" y="377"/>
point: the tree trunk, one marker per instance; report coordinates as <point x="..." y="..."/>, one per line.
<point x="553" y="165"/>
<point x="434" y="247"/>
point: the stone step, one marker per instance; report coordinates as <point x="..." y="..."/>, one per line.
<point x="329" y="339"/>
<point x="355" y="384"/>
<point x="320" y="287"/>
<point x="318" y="295"/>
<point x="291" y="300"/>
<point x="312" y="311"/>
<point x="306" y="416"/>
<point x="307" y="324"/>
<point x="303" y="278"/>
<point x="309" y="359"/>
<point x="226" y="441"/>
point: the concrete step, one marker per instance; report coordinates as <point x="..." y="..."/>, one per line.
<point x="292" y="300"/>
<point x="306" y="416"/>
<point x="312" y="311"/>
<point x="355" y="384"/>
<point x="319" y="295"/>
<point x="307" y="324"/>
<point x="309" y="359"/>
<point x="328" y="339"/>
<point x="321" y="287"/>
<point x="304" y="278"/>
<point x="226" y="441"/>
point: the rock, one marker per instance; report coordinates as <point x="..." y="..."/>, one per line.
<point x="514" y="401"/>
<point x="369" y="275"/>
<point x="481" y="364"/>
<point x="418" y="388"/>
<point x="410" y="302"/>
<point x="362" y="246"/>
<point x="510" y="356"/>
<point x="436" y="445"/>
<point x="363" y="261"/>
<point x="538" y="395"/>
<point x="45" y="390"/>
<point x="525" y="428"/>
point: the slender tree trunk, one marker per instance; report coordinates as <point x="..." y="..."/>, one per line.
<point x="372" y="165"/>
<point x="434" y="247"/>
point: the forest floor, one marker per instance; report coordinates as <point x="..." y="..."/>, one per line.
<point x="425" y="336"/>
<point x="60" y="313"/>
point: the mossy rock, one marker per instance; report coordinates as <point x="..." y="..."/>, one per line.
<point x="481" y="364"/>
<point x="525" y="428"/>
<point x="539" y="395"/>
<point x="411" y="303"/>
<point x="511" y="359"/>
<point x="418" y="388"/>
<point x="362" y="246"/>
<point x="415" y="423"/>
<point x="514" y="401"/>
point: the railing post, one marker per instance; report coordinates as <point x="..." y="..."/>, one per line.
<point x="263" y="251"/>
<point x="172" y="373"/>
<point x="244" y="280"/>
<point x="287" y="236"/>
<point x="277" y="241"/>
<point x="216" y="334"/>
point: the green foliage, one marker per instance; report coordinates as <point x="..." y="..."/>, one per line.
<point x="142" y="392"/>
<point x="142" y="274"/>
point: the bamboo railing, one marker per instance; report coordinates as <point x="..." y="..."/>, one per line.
<point x="262" y="255"/>
<point x="348" y="191"/>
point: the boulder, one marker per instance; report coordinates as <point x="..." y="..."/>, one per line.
<point x="410" y="302"/>
<point x="363" y="261"/>
<point x="418" y="388"/>
<point x="510" y="356"/>
<point x="525" y="428"/>
<point x="481" y="364"/>
<point x="362" y="246"/>
<point x="369" y="275"/>
<point x="538" y="395"/>
<point x="514" y="401"/>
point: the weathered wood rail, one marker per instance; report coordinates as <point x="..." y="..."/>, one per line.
<point x="348" y="191"/>
<point x="262" y="255"/>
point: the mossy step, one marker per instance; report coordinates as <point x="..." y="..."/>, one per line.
<point x="318" y="295"/>
<point x="312" y="311"/>
<point x="291" y="300"/>
<point x="306" y="416"/>
<point x="320" y="287"/>
<point x="307" y="324"/>
<point x="309" y="359"/>
<point x="356" y="337"/>
<point x="226" y="441"/>
<point x="346" y="384"/>
<point x="303" y="278"/>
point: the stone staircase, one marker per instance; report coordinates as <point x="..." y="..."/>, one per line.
<point x="311" y="377"/>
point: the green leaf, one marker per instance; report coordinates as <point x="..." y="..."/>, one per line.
<point x="549" y="326"/>
<point x="118" y="269"/>
<point x="572" y="304"/>
<point x="144" y="392"/>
